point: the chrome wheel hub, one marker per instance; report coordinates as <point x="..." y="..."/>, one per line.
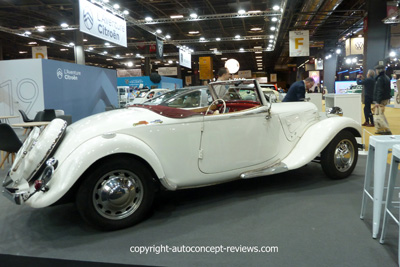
<point x="118" y="194"/>
<point x="344" y="155"/>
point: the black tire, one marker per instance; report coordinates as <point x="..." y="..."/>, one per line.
<point x="340" y="157"/>
<point x="116" y="195"/>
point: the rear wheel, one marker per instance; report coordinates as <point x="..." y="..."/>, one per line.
<point x="116" y="195"/>
<point x="340" y="157"/>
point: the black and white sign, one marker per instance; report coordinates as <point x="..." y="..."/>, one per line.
<point x="185" y="58"/>
<point x="98" y="22"/>
<point x="159" y="49"/>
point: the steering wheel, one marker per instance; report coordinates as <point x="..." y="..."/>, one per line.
<point x="216" y="100"/>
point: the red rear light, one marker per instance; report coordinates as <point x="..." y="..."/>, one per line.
<point x="38" y="185"/>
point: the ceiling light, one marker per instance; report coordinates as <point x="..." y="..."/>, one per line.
<point x="158" y="31"/>
<point x="148" y="19"/>
<point x="241" y="49"/>
<point x="392" y="54"/>
<point x="218" y="39"/>
<point x="202" y="38"/>
<point x="64" y="25"/>
<point x="193" y="32"/>
<point x="272" y="28"/>
<point x="193" y="15"/>
<point x="271" y="37"/>
<point x="138" y="55"/>
<point x="32" y="43"/>
<point x="105" y="52"/>
<point x="259" y="60"/>
<point x="354" y="60"/>
<point x="258" y="47"/>
<point x="85" y="40"/>
<point x="168" y="36"/>
<point x="107" y="44"/>
<point x="117" y="55"/>
<point x="90" y="48"/>
<point x="259" y="68"/>
<point x="271" y="41"/>
<point x="224" y="58"/>
<point x="170" y="61"/>
<point x="338" y="51"/>
<point x="116" y="6"/>
<point x="255" y="29"/>
<point x="258" y="56"/>
<point x="129" y="64"/>
<point x="23" y="52"/>
<point x="276" y="7"/>
<point x="237" y="36"/>
<point x="348" y="61"/>
<point x="258" y="52"/>
<point x="176" y="16"/>
<point x="71" y="44"/>
<point x="63" y="49"/>
<point x="241" y="11"/>
<point x="126" y="12"/>
<point x="109" y="59"/>
<point x="254" y="11"/>
<point x="27" y="33"/>
<point x="274" y="19"/>
<point x="52" y="39"/>
<point x="40" y="29"/>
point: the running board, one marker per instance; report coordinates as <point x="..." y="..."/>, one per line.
<point x="277" y="168"/>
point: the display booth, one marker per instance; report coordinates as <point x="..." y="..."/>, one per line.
<point x="349" y="103"/>
<point x="143" y="81"/>
<point x="36" y="84"/>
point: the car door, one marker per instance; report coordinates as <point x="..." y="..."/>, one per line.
<point x="238" y="140"/>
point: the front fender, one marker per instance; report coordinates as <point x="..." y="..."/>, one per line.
<point x="85" y="155"/>
<point x="316" y="138"/>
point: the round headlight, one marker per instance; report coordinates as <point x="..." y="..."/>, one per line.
<point x="334" y="111"/>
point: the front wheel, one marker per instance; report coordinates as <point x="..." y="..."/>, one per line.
<point x="339" y="158"/>
<point x="116" y="195"/>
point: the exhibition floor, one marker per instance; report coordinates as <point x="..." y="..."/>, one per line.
<point x="301" y="217"/>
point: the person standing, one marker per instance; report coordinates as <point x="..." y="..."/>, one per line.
<point x="297" y="91"/>
<point x="381" y="98"/>
<point x="369" y="85"/>
<point x="223" y="75"/>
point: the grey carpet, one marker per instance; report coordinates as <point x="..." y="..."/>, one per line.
<point x="312" y="220"/>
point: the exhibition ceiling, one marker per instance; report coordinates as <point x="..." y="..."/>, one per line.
<point x="256" y="33"/>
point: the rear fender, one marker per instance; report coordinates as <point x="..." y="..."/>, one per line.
<point x="316" y="138"/>
<point x="87" y="154"/>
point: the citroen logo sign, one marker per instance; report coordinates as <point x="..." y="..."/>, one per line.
<point x="59" y="73"/>
<point x="88" y="19"/>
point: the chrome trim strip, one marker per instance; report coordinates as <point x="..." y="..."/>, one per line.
<point x="277" y="168"/>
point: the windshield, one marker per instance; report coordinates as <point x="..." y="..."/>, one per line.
<point x="183" y="98"/>
<point x="237" y="90"/>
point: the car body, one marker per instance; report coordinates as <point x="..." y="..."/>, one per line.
<point x="113" y="162"/>
<point x="146" y="95"/>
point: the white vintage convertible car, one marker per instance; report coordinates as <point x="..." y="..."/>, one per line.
<point x="113" y="163"/>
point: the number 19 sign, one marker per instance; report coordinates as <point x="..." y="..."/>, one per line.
<point x="299" y="45"/>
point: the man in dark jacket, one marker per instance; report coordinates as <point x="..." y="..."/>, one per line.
<point x="297" y="91"/>
<point x="369" y="85"/>
<point x="381" y="98"/>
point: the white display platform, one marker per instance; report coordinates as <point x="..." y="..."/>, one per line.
<point x="316" y="99"/>
<point x="349" y="103"/>
<point x="396" y="100"/>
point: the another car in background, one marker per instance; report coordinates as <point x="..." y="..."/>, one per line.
<point x="184" y="98"/>
<point x="143" y="96"/>
<point x="271" y="92"/>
